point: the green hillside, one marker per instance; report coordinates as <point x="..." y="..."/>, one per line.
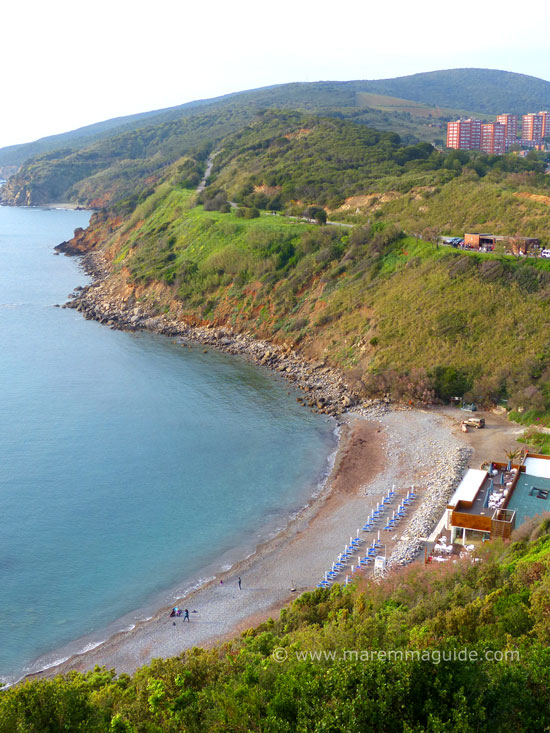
<point x="383" y="104"/>
<point x="338" y="98"/>
<point x="119" y="166"/>
<point x="501" y="204"/>
<point x="311" y="159"/>
<point x="324" y="161"/>
<point x="379" y="299"/>
<point x="459" y="648"/>
<point x="486" y="90"/>
<point x="123" y="161"/>
<point x="397" y="314"/>
<point x="371" y="293"/>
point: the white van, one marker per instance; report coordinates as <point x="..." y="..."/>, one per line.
<point x="545" y="253"/>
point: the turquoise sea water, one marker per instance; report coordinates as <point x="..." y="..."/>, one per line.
<point x="130" y="468"/>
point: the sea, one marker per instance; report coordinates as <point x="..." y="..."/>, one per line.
<point x="131" y="469"/>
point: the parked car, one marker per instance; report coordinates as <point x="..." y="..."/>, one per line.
<point x="475" y="422"/>
<point x="545" y="253"/>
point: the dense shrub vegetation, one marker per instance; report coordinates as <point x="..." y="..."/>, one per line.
<point x="401" y="316"/>
<point x="381" y="299"/>
<point x="283" y="157"/>
<point x="358" y="676"/>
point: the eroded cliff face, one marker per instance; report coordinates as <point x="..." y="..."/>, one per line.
<point x="13" y="193"/>
<point x="96" y="234"/>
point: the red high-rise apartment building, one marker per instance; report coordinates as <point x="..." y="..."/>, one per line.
<point x="510" y="122"/>
<point x="493" y="138"/>
<point x="532" y="126"/>
<point x="464" y="134"/>
<point x="545" y="123"/>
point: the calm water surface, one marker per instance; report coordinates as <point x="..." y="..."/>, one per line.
<point x="129" y="468"/>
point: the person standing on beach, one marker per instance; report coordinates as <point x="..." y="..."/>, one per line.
<point x="186" y="616"/>
<point x="240" y="584"/>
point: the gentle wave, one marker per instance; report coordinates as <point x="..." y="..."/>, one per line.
<point x="196" y="586"/>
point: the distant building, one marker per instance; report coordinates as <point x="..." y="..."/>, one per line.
<point x="510" y="123"/>
<point x="516" y="245"/>
<point x="532" y="126"/>
<point x="464" y="134"/>
<point x="545" y="123"/>
<point x="493" y="138"/>
<point x="496" y="138"/>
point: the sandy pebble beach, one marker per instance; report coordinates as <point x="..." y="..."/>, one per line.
<point x="394" y="446"/>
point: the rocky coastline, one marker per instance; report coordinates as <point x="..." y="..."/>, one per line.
<point x="324" y="388"/>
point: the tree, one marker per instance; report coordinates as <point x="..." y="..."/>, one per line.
<point x="317" y="213"/>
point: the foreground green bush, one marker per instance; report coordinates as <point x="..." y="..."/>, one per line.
<point x="301" y="673"/>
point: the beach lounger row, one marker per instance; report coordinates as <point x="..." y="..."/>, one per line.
<point x="352" y="550"/>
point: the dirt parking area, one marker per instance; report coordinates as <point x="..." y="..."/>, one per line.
<point x="491" y="442"/>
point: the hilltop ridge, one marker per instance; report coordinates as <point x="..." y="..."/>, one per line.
<point x="481" y="91"/>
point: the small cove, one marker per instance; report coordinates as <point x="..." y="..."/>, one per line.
<point x="129" y="465"/>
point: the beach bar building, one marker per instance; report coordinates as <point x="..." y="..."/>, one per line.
<point x="492" y="503"/>
<point x="477" y="509"/>
<point x="516" y="244"/>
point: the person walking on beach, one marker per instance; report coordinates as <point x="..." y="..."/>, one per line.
<point x="186" y="616"/>
<point x="240" y="584"/>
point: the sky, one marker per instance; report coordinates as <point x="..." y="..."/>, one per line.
<point x="66" y="64"/>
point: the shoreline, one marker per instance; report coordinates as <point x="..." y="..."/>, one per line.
<point x="367" y="461"/>
<point x="373" y="454"/>
<point x="206" y="576"/>
<point x="298" y="528"/>
<point x="328" y="395"/>
<point x="113" y="303"/>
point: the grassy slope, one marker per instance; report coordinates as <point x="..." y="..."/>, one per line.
<point x="517" y="204"/>
<point x="370" y="300"/>
<point x="496" y="609"/>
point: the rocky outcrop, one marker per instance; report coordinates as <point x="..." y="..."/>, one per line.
<point x="86" y="240"/>
<point x="13" y="193"/>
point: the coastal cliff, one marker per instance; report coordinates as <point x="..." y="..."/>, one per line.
<point x="14" y="193"/>
<point x="393" y="315"/>
<point x="113" y="302"/>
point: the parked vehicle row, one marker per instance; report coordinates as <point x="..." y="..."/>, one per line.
<point x="459" y="242"/>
